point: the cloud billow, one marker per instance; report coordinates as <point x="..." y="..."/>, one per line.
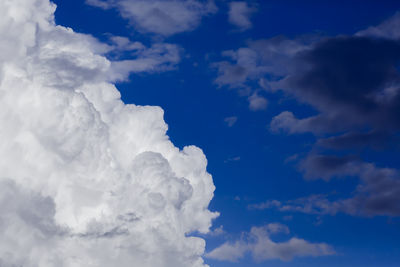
<point x="87" y="180"/>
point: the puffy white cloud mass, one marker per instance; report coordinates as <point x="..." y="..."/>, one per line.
<point x="164" y="17"/>
<point x="259" y="244"/>
<point x="85" y="180"/>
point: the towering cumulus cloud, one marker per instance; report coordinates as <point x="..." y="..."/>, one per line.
<point x="86" y="180"/>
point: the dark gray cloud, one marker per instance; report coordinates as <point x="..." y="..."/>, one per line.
<point x="329" y="166"/>
<point x="351" y="79"/>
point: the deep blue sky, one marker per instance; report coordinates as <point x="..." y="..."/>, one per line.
<point x="195" y="108"/>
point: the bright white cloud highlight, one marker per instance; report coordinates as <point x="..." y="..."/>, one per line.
<point x="85" y="180"/>
<point x="259" y="244"/>
<point x="164" y="17"/>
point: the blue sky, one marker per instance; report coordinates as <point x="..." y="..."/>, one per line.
<point x="226" y="106"/>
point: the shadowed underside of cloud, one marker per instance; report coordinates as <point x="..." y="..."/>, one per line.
<point x="166" y="17"/>
<point x="353" y="81"/>
<point x="259" y="244"/>
<point x="85" y="180"/>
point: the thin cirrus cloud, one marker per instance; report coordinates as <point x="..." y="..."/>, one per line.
<point x="261" y="247"/>
<point x="353" y="84"/>
<point x="165" y="18"/>
<point x="239" y="14"/>
<point x="85" y="179"/>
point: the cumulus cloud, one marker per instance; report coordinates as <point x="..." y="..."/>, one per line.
<point x="259" y="244"/>
<point x="239" y="14"/>
<point x="87" y="180"/>
<point x="165" y="18"/>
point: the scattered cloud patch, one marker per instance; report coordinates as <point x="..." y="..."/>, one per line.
<point x="239" y="14"/>
<point x="376" y="195"/>
<point x="165" y="18"/>
<point x="261" y="247"/>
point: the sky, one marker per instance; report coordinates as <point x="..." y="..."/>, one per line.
<point x="175" y="133"/>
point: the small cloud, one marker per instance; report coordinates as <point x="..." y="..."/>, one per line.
<point x="230" y="121"/>
<point x="232" y="159"/>
<point x="239" y="14"/>
<point x="257" y="102"/>
<point x="265" y="205"/>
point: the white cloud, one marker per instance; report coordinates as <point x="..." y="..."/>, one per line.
<point x="259" y="244"/>
<point x="257" y="102"/>
<point x="166" y="17"/>
<point x="85" y="179"/>
<point x="239" y="14"/>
